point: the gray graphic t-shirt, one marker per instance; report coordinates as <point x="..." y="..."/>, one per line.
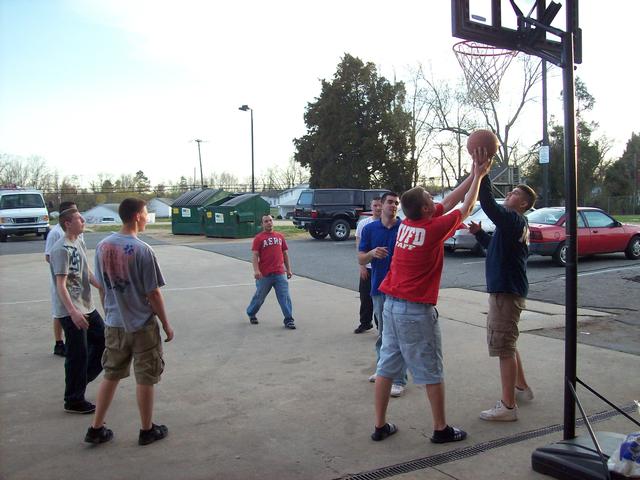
<point x="128" y="270"/>
<point x="55" y="234"/>
<point x="69" y="258"/>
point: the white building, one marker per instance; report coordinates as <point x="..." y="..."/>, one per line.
<point x="287" y="200"/>
<point x="160" y="206"/>
<point x="103" y="213"/>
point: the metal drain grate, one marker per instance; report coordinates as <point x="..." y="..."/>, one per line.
<point x="462" y="453"/>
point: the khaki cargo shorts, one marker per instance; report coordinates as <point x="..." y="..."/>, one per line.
<point x="502" y="323"/>
<point x="144" y="346"/>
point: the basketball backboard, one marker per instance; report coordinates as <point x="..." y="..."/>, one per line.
<point x="516" y="25"/>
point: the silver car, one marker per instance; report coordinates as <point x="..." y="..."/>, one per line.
<point x="465" y="240"/>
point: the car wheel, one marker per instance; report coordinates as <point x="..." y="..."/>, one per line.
<point x="340" y="230"/>
<point x="633" y="249"/>
<point x="478" y="250"/>
<point x="3" y="238"/>
<point x="317" y="234"/>
<point x="560" y="255"/>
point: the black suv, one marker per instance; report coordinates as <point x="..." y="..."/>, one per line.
<point x="332" y="211"/>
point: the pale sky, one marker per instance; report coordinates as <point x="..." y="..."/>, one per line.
<point x="116" y="86"/>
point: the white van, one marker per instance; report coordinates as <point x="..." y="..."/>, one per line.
<point x="21" y="212"/>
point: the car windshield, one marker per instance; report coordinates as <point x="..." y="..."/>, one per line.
<point x="546" y="216"/>
<point x="21" y="200"/>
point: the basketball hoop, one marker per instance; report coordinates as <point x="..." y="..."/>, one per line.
<point x="483" y="67"/>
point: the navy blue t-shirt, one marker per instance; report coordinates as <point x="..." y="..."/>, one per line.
<point x="507" y="249"/>
<point x="377" y="235"/>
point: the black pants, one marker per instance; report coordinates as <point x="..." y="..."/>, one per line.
<point x="366" y="304"/>
<point x="83" y="361"/>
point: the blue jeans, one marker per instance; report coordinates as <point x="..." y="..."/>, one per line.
<point x="378" y="307"/>
<point x="263" y="287"/>
<point x="411" y="338"/>
<point x="82" y="364"/>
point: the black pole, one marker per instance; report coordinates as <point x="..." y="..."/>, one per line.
<point x="571" y="269"/>
<point x="545" y="136"/>
<point x="253" y="185"/>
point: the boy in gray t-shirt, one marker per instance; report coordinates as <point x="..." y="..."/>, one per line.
<point x="55" y="234"/>
<point x="129" y="273"/>
<point x="73" y="307"/>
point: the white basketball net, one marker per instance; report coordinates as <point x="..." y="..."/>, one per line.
<point x="483" y="67"/>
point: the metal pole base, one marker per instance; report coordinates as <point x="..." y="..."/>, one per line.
<point x="578" y="458"/>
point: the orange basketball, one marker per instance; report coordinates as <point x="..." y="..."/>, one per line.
<point x="483" y="139"/>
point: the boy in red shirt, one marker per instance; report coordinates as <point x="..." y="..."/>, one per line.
<point x="271" y="268"/>
<point x="412" y="334"/>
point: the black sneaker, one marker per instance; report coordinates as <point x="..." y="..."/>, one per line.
<point x="156" y="432"/>
<point x="82" y="407"/>
<point x="98" y="435"/>
<point x="289" y="324"/>
<point x="58" y="349"/>
<point x="448" y="434"/>
<point x="363" y="328"/>
<point x="253" y="320"/>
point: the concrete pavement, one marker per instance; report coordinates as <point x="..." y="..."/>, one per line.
<point x="249" y="402"/>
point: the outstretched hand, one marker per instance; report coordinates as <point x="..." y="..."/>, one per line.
<point x="481" y="162"/>
<point x="474" y="227"/>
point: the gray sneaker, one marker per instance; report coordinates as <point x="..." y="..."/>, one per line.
<point x="397" y="389"/>
<point x="500" y="413"/>
<point x="525" y="395"/>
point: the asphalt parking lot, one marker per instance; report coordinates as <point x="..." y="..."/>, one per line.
<point x="604" y="281"/>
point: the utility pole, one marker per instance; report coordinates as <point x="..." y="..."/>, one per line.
<point x="198" y="141"/>
<point x="545" y="137"/>
<point x="635" y="181"/>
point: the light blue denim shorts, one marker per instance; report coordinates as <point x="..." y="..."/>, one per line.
<point x="411" y="333"/>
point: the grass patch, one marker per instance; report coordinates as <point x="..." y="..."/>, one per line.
<point x="114" y="227"/>
<point x="628" y="218"/>
<point x="289" y="231"/>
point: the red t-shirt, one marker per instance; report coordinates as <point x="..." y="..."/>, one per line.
<point x="270" y="247"/>
<point x="418" y="256"/>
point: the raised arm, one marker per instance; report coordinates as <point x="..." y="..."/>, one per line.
<point x="457" y="195"/>
<point x="481" y="165"/>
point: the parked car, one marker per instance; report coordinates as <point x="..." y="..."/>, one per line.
<point x="332" y="211"/>
<point x="598" y="232"/>
<point x="22" y="212"/>
<point x="463" y="239"/>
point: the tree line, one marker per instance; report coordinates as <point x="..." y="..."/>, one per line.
<point x="33" y="172"/>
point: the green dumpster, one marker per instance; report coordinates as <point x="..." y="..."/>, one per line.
<point x="187" y="211"/>
<point x="239" y="217"/>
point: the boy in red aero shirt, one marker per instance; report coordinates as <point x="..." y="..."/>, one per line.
<point x="412" y="334"/>
<point x="271" y="268"/>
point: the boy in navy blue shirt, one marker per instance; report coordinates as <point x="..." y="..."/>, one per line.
<point x="507" y="284"/>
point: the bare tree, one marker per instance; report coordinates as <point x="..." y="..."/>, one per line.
<point x="454" y="119"/>
<point x="25" y="172"/>
<point x="421" y="107"/>
<point x="491" y="111"/>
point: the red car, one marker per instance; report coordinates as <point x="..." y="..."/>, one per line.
<point x="598" y="232"/>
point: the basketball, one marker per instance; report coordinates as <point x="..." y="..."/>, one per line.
<point x="483" y="139"/>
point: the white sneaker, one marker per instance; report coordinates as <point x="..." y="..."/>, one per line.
<point x="525" y="395"/>
<point x="500" y="413"/>
<point x="397" y="390"/>
<point x="372" y="378"/>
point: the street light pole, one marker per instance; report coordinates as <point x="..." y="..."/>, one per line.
<point x="244" y="108"/>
